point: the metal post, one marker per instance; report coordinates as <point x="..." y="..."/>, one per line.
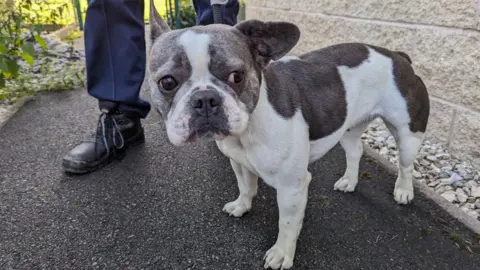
<point x="177" y="13"/>
<point x="78" y="9"/>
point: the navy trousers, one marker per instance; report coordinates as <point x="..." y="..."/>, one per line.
<point x="115" y="49"/>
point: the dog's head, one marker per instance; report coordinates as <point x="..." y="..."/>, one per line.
<point x="205" y="80"/>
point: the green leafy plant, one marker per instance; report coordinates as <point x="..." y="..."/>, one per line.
<point x="18" y="28"/>
<point x="52" y="14"/>
<point x="21" y="26"/>
<point x="186" y="14"/>
<point x="13" y="41"/>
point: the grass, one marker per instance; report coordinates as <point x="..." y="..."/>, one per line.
<point x="324" y="200"/>
<point x="365" y="175"/>
<point x="464" y="244"/>
<point x="457" y="239"/>
<point x="477" y="237"/>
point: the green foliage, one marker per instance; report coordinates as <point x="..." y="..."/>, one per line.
<point x="21" y="26"/>
<point x="186" y="15"/>
<point x="29" y="83"/>
<point x="50" y="12"/>
<point x="166" y="9"/>
<point x="17" y="26"/>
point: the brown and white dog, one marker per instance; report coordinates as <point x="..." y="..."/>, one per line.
<point x="273" y="115"/>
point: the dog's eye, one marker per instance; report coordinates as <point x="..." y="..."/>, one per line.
<point x="235" y="77"/>
<point x="168" y="83"/>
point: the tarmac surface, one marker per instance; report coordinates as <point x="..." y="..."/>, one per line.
<point x="160" y="207"/>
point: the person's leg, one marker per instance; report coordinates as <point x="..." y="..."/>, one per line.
<point x="205" y="12"/>
<point x="115" y="61"/>
<point x="115" y="52"/>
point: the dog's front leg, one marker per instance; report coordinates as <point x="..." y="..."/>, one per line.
<point x="291" y="205"/>
<point x="247" y="185"/>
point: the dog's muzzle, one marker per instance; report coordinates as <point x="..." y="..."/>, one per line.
<point x="206" y="103"/>
<point x="208" y="116"/>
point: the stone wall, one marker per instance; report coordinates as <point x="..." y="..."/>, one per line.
<point x="442" y="37"/>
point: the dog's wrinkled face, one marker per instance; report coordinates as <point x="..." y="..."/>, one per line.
<point x="205" y="80"/>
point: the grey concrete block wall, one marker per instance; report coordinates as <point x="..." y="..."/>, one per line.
<point x="442" y="37"/>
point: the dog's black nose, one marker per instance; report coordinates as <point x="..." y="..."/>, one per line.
<point x="206" y="103"/>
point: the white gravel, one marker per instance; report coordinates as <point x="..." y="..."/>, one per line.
<point x="455" y="180"/>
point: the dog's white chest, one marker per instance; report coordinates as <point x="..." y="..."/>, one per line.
<point x="270" y="142"/>
<point x="261" y="159"/>
<point x="233" y="148"/>
<point x="270" y="153"/>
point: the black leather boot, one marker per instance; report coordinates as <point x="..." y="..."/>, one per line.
<point x="116" y="132"/>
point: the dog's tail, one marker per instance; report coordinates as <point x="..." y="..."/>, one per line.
<point x="404" y="55"/>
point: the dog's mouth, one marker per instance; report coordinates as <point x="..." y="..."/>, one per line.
<point x="206" y="135"/>
<point x="208" y="128"/>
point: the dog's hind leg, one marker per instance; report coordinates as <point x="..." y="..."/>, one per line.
<point x="352" y="144"/>
<point x="408" y="144"/>
<point x="247" y="185"/>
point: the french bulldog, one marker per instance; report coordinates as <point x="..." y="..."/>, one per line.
<point x="272" y="115"/>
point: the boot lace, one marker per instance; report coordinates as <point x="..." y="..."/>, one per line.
<point x="109" y="132"/>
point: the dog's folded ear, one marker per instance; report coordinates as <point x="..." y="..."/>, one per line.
<point x="270" y="40"/>
<point x="157" y="25"/>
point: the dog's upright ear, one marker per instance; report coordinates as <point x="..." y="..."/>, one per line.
<point x="157" y="25"/>
<point x="269" y="40"/>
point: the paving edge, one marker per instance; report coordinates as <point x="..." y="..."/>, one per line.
<point x="454" y="211"/>
<point x="63" y="32"/>
<point x="13" y="109"/>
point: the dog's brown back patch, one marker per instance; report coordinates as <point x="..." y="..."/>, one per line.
<point x="316" y="86"/>
<point x="411" y="87"/>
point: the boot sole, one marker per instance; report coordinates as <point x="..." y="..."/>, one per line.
<point x="77" y="168"/>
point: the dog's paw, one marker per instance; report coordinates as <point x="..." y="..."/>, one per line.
<point x="278" y="258"/>
<point x="236" y="208"/>
<point x="403" y="195"/>
<point x="344" y="184"/>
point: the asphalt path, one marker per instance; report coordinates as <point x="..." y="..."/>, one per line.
<point x="160" y="207"/>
